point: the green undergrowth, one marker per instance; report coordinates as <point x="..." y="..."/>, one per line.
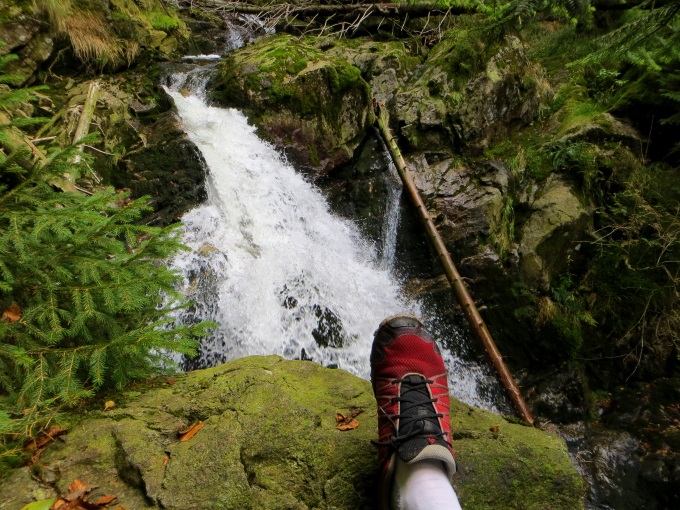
<point x="86" y="298"/>
<point x="618" y="302"/>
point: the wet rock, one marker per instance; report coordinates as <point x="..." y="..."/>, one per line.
<point x="141" y="148"/>
<point x="253" y="454"/>
<point x="316" y="107"/>
<point x="169" y="168"/>
<point x="465" y="201"/>
<point x="559" y="396"/>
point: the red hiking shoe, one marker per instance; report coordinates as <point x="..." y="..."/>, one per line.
<point x="410" y="385"/>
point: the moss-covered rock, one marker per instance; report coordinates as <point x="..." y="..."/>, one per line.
<point x="551" y="234"/>
<point x="386" y="65"/>
<point x="269" y="441"/>
<point x="315" y="106"/>
<point x="506" y="96"/>
<point x="468" y="93"/>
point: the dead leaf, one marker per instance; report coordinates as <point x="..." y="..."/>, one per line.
<point x="495" y="428"/>
<point x="191" y="432"/>
<point x="348" y="426"/>
<point x="105" y="500"/>
<point x="170" y="382"/>
<point x="76" y="490"/>
<point x="12" y="314"/>
<point x="166" y="459"/>
<point x="49" y="435"/>
<point x="60" y="503"/>
<point x="347" y="422"/>
<point x="109" y="404"/>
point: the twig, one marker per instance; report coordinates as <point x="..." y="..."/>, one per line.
<point x="45" y="139"/>
<point x="98" y="150"/>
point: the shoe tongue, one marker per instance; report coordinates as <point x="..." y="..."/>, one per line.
<point x="421" y="421"/>
<point x="413" y="389"/>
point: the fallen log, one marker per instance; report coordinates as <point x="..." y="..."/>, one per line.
<point x="466" y="302"/>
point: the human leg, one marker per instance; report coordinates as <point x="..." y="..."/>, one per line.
<point x="410" y="384"/>
<point x="423" y="485"/>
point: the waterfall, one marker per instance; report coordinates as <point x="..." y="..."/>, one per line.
<point x="392" y="215"/>
<point x="274" y="268"/>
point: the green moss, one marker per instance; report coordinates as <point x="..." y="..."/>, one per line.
<point x="512" y="473"/>
<point x="575" y="113"/>
<point x="348" y="76"/>
<point x="161" y="21"/>
<point x="313" y="155"/>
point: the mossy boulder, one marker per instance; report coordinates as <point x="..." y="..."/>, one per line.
<point x="386" y="65"/>
<point x="505" y="97"/>
<point x="469" y="94"/>
<point x="315" y="106"/>
<point x="269" y="441"/>
<point x="21" y="34"/>
<point x="550" y="237"/>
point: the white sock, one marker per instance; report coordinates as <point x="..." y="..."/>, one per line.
<point x="423" y="485"/>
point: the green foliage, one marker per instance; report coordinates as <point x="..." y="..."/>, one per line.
<point x="637" y="63"/>
<point x="579" y="159"/>
<point x="517" y="13"/>
<point x="87" y="301"/>
<point x="562" y="318"/>
<point x="638" y="263"/>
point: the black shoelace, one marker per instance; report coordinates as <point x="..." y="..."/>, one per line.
<point x="414" y="395"/>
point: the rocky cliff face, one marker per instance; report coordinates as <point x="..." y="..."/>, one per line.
<point x="269" y="441"/>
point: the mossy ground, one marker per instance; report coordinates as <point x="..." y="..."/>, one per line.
<point x="269" y="441"/>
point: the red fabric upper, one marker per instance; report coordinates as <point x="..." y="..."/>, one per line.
<point x="398" y="352"/>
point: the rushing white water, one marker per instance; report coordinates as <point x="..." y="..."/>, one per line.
<point x="392" y="216"/>
<point x="273" y="267"/>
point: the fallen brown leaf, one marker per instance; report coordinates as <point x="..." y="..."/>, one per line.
<point x="12" y="314"/>
<point x="170" y="382"/>
<point x="105" y="500"/>
<point x="348" y="426"/>
<point x="347" y="422"/>
<point x="47" y="436"/>
<point x="191" y="431"/>
<point x="76" y="490"/>
<point x="166" y="459"/>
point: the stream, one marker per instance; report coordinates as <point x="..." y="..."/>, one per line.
<point x="279" y="273"/>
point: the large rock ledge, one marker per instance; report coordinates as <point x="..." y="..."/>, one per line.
<point x="270" y="442"/>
